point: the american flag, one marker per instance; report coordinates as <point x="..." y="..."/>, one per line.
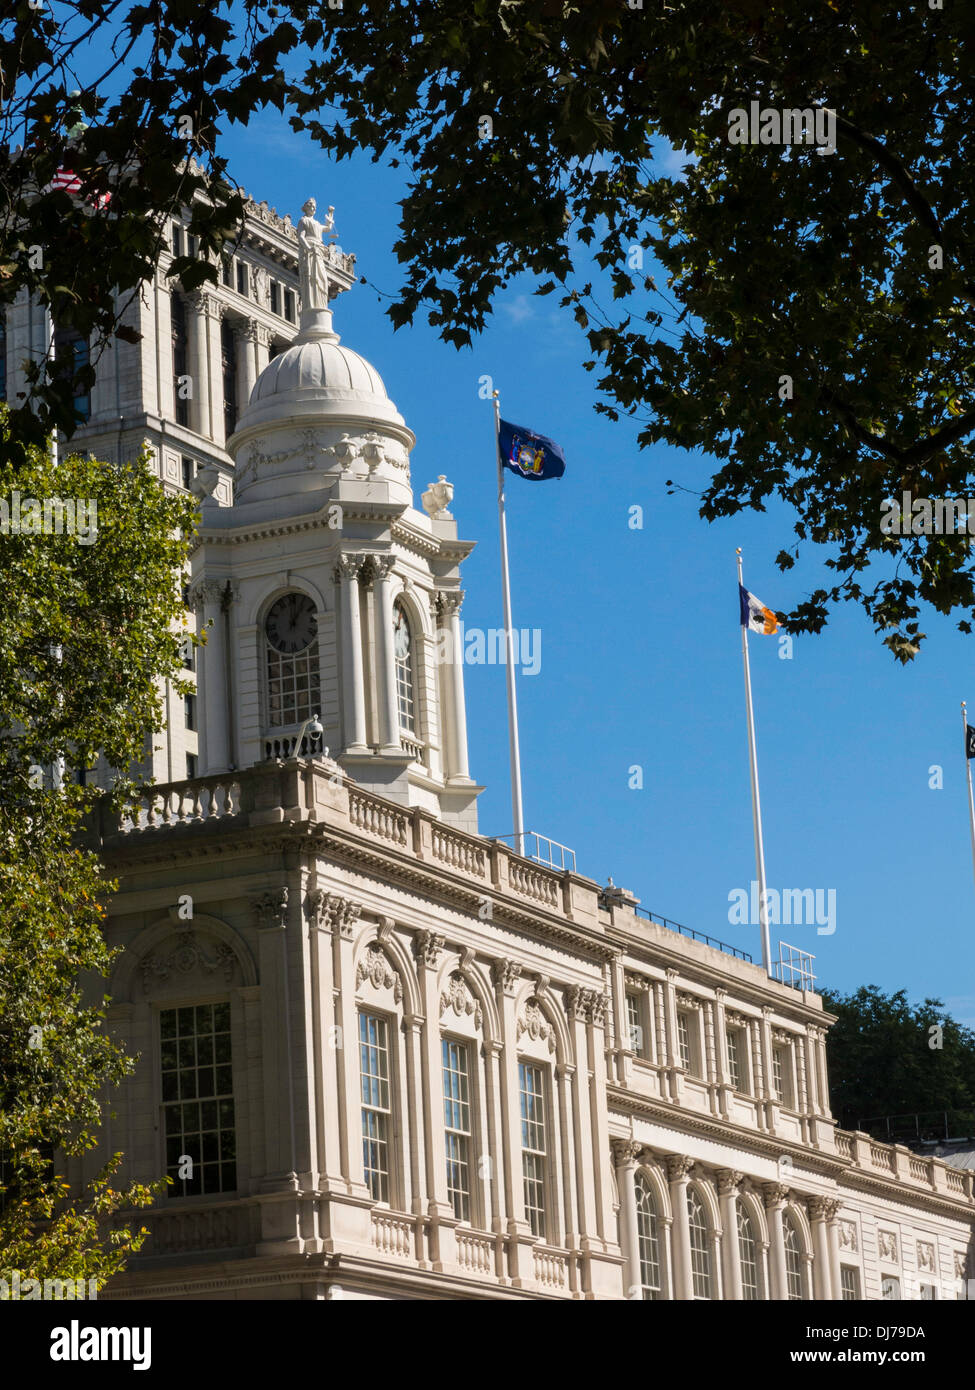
<point x="69" y="182"/>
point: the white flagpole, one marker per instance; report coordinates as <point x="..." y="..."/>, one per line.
<point x="49" y="355"/>
<point x="513" y="749"/>
<point x="756" y="803"/>
<point x="968" y="771"/>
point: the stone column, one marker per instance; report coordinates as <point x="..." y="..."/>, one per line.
<point x="326" y="1038"/>
<point x="208" y="597"/>
<point x="831" y="1206"/>
<point x="505" y="973"/>
<point x="353" y="690"/>
<point x="668" y="1278"/>
<point x="198" y="355"/>
<point x="214" y="312"/>
<point x="262" y="348"/>
<point x="342" y="915"/>
<point x="775" y="1195"/>
<point x="386" y="656"/>
<point x="675" y="1071"/>
<point x="678" y="1168"/>
<point x="626" y="1153"/>
<point x="821" y="1273"/>
<point x="728" y="1184"/>
<point x="245" y="331"/>
<point x="493" y="1179"/>
<point x="455" y="740"/>
<point x="427" y="946"/>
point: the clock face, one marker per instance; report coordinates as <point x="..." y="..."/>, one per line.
<point x="292" y="624"/>
<point x="401" y="635"/>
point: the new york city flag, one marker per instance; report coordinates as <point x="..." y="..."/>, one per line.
<point x="528" y="454"/>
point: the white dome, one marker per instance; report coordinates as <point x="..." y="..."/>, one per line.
<point x="318" y="376"/>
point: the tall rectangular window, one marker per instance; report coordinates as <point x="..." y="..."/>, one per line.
<point x="198" y="1099"/>
<point x="734" y="1058"/>
<point x="228" y="362"/>
<point x="849" y="1283"/>
<point x="376" y="1109"/>
<point x="636" y="1038"/>
<point x="531" y="1086"/>
<point x="192" y="764"/>
<point x="275" y="297"/>
<point x="241" y="277"/>
<point x="189" y="711"/>
<point x="228" y="271"/>
<point x="77" y="360"/>
<point x="177" y="238"/>
<point x="457" y="1125"/>
<point x="782" y="1073"/>
<point x="684" y="1040"/>
<point x="289" y="305"/>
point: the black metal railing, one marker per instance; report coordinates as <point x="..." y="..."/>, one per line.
<point x="694" y="935"/>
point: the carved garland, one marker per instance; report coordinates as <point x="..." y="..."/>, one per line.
<point x="188" y="955"/>
<point x="457" y="996"/>
<point x="534" y="1023"/>
<point x="375" y="968"/>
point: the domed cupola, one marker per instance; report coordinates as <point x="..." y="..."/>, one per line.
<point x="319" y="411"/>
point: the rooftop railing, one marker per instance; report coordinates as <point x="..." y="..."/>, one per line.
<point x="701" y="936"/>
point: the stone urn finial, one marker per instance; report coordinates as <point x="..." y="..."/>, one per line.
<point x="437" y="498"/>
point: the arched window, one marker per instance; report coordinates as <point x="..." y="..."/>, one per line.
<point x="648" y="1229"/>
<point x="794" y="1275"/>
<point x="700" y="1247"/>
<point x="405" y="687"/>
<point x="748" y="1255"/>
<point x="293" y="674"/>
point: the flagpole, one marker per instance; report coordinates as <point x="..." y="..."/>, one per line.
<point x="513" y="749"/>
<point x="968" y="771"/>
<point x="756" y="803"/>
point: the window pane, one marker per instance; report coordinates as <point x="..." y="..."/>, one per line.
<point x="374" y="1074"/>
<point x="531" y="1081"/>
<point x="457" y="1125"/>
<point x="700" y="1247"/>
<point x="198" y="1131"/>
<point x="649" y="1240"/>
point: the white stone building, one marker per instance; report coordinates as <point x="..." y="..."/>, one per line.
<point x="380" y="1055"/>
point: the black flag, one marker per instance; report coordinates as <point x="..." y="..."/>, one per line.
<point x="969" y="741"/>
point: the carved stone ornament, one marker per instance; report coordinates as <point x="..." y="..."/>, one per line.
<point x="375" y="968"/>
<point x="271" y="908"/>
<point x="774" y="1193"/>
<point x="960" y="1264"/>
<point x="626" y="1151"/>
<point x="888" y="1246"/>
<point x="678" y="1166"/>
<point x="427" y="946"/>
<point x="373" y="450"/>
<point x="457" y="996"/>
<point x="729" y="1182"/>
<point x="848" y="1236"/>
<point x="587" y="1003"/>
<point x="186" y="957"/>
<point x="505" y="974"/>
<point x="687" y="1001"/>
<point x="332" y="913"/>
<point x="536" y="1025"/>
<point x="437" y="498"/>
<point x="925" y="1255"/>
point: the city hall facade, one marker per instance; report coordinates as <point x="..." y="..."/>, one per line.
<point x="380" y="1055"/>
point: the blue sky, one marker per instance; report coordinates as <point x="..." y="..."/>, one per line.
<point x="641" y="656"/>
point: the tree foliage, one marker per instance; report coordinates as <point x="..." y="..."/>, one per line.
<point x="890" y="1058"/>
<point x="87" y="633"/>
<point x="848" y="273"/>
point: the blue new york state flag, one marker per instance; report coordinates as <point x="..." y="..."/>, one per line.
<point x="528" y="454"/>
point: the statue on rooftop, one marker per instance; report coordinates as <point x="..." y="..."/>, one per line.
<point x="313" y="257"/>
